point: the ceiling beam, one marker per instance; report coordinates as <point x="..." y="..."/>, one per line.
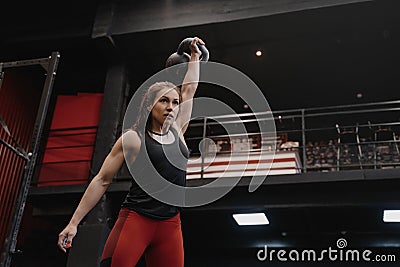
<point x="133" y="16"/>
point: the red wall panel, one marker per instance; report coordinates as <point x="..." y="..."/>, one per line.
<point x="70" y="145"/>
<point x="19" y="100"/>
<point x="78" y="111"/>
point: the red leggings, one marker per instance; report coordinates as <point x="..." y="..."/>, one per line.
<point x="133" y="234"/>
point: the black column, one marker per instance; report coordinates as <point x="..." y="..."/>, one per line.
<point x="92" y="233"/>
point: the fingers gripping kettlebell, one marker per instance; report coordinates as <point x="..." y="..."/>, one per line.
<point x="182" y="53"/>
<point x="184" y="47"/>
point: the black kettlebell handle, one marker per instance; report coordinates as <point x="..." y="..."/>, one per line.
<point x="184" y="46"/>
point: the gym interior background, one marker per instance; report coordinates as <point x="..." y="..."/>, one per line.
<point x="329" y="70"/>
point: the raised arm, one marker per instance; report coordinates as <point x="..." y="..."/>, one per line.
<point x="189" y="86"/>
<point x="99" y="184"/>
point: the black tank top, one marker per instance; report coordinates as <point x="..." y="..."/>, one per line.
<point x="170" y="161"/>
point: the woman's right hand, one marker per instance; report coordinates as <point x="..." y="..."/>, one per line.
<point x="193" y="47"/>
<point x="66" y="236"/>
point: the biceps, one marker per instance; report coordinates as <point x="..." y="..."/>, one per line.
<point x="110" y="166"/>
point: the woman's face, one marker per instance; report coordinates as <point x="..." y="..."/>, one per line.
<point x="165" y="108"/>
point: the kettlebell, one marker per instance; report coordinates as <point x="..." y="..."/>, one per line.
<point x="175" y="70"/>
<point x="182" y="53"/>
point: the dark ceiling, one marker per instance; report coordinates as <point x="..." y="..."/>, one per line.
<point x="316" y="57"/>
<point x="310" y="58"/>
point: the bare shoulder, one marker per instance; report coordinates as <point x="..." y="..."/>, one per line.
<point x="130" y="140"/>
<point x="132" y="135"/>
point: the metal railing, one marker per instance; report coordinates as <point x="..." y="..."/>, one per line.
<point x="359" y="136"/>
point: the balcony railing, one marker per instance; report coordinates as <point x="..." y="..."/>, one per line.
<point x="362" y="136"/>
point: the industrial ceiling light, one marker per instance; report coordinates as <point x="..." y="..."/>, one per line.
<point x="251" y="219"/>
<point x="391" y="215"/>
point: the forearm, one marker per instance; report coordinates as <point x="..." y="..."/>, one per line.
<point x="92" y="195"/>
<point x="192" y="76"/>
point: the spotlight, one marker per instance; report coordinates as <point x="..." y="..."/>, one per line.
<point x="251" y="219"/>
<point x="391" y="215"/>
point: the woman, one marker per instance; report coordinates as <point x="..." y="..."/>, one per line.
<point x="145" y="225"/>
